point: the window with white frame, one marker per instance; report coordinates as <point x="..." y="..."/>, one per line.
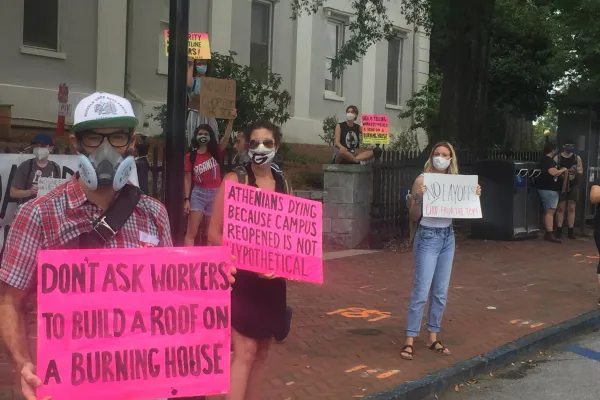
<point x="40" y="24"/>
<point x="260" y="37"/>
<point x="394" y="71"/>
<point x="334" y="39"/>
<point x="163" y="60"/>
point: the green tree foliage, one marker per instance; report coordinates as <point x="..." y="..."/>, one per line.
<point x="329" y="125"/>
<point x="424" y="107"/>
<point x="257" y="99"/>
<point x="370" y="25"/>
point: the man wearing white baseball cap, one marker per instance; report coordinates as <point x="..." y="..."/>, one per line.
<point x="98" y="208"/>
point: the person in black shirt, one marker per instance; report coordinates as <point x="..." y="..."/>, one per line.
<point x="547" y="185"/>
<point x="595" y="199"/>
<point x="347" y="141"/>
<point x="569" y="193"/>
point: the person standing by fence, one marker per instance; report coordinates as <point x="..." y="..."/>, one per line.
<point x="548" y="189"/>
<point x="570" y="189"/>
<point x="433" y="253"/>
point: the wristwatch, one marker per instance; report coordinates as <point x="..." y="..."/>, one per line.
<point x="417" y="198"/>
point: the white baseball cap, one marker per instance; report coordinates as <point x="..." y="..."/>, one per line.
<point x="104" y="110"/>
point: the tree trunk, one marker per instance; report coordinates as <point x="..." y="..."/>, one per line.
<point x="466" y="63"/>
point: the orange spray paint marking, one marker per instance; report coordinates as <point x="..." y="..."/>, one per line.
<point x="354" y="369"/>
<point x="388" y="374"/>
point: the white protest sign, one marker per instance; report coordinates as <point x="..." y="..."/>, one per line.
<point x="47" y="184"/>
<point x="8" y="168"/>
<point x="451" y="196"/>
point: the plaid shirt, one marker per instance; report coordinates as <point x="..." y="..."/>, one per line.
<point x="53" y="220"/>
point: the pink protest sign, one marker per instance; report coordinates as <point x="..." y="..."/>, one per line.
<point x="126" y="324"/>
<point x="271" y="232"/>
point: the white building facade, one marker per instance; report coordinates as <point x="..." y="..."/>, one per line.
<point x="117" y="46"/>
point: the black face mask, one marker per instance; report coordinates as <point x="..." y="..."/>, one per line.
<point x="569" y="149"/>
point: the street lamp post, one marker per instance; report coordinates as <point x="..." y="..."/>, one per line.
<point x="176" y="114"/>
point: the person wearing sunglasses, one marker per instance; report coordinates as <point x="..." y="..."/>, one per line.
<point x="79" y="214"/>
<point x="347" y="141"/>
<point x="258" y="302"/>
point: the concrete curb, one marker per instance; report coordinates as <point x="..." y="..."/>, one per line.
<point x="438" y="382"/>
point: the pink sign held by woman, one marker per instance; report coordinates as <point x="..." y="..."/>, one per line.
<point x="270" y="232"/>
<point x="127" y="324"/>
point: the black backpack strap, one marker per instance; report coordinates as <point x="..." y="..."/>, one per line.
<point x="29" y="171"/>
<point x="113" y="219"/>
<point x="242" y="174"/>
<point x="56" y="169"/>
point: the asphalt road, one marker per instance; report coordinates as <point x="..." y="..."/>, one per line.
<point x="567" y="372"/>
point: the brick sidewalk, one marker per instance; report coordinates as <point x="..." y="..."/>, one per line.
<point x="531" y="284"/>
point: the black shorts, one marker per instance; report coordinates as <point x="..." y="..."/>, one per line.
<point x="571" y="195"/>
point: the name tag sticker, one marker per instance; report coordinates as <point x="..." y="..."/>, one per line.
<point x="148" y="238"/>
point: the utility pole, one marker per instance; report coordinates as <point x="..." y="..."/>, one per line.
<point x="179" y="11"/>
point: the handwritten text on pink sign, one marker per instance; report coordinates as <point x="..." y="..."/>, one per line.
<point x="451" y="196"/>
<point x="125" y="324"/>
<point x="270" y="232"/>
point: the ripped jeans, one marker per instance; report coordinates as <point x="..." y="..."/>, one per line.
<point x="434" y="253"/>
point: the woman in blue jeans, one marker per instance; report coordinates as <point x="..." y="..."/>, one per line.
<point x="433" y="252"/>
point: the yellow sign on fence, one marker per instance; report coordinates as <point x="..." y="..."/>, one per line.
<point x="198" y="45"/>
<point x="375" y="129"/>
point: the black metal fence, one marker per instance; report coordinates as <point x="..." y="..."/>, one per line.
<point x="393" y="175"/>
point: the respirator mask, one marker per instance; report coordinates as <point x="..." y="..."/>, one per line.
<point x="105" y="167"/>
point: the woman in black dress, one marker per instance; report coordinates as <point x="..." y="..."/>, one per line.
<point x="258" y="302"/>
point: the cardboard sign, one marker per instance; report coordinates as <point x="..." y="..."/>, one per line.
<point x="451" y="196"/>
<point x="270" y="232"/>
<point x="126" y="324"/>
<point x="375" y="129"/>
<point x="45" y="185"/>
<point x="8" y="167"/>
<point x="216" y="99"/>
<point x="198" y="45"/>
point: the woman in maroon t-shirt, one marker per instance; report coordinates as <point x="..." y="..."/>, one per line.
<point x="202" y="179"/>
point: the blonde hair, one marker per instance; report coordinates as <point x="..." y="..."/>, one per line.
<point x="429" y="168"/>
<point x="452" y="169"/>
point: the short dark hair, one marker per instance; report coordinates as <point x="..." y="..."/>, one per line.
<point x="274" y="129"/>
<point x="549" y="146"/>
<point x="568" y="141"/>
<point x="353" y="108"/>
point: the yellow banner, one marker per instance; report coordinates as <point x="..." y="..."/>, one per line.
<point x="198" y="45"/>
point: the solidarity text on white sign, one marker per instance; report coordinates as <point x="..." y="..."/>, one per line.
<point x="451" y="196"/>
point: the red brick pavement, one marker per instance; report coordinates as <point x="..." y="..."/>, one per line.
<point x="533" y="282"/>
<point x="529" y="283"/>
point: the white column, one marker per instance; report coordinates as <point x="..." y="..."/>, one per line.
<point x="221" y="12"/>
<point x="111" y="46"/>
<point x="302" y="79"/>
<point x="369" y="73"/>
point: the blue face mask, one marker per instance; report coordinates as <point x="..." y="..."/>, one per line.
<point x="201" y="69"/>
